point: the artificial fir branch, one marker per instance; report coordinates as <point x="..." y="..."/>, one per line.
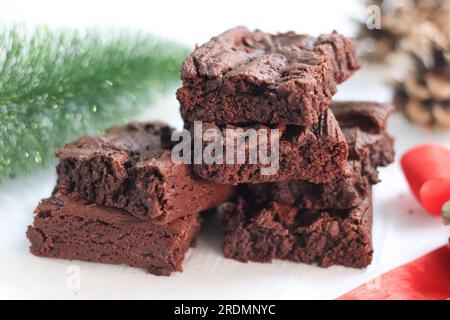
<point x="57" y="85"/>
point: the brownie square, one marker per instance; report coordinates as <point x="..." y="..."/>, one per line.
<point x="370" y="146"/>
<point x="67" y="227"/>
<point x="242" y="77"/>
<point x="273" y="230"/>
<point x="317" y="154"/>
<point x="345" y="192"/>
<point x="130" y="168"/>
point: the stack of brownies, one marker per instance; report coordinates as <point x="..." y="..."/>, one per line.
<point x="120" y="197"/>
<point x="317" y="207"/>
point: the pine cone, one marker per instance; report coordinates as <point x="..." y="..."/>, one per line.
<point x="424" y="96"/>
<point x="407" y="27"/>
<point x="419" y="31"/>
<point x="446" y="213"/>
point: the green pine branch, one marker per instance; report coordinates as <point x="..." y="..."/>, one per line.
<point x="58" y="85"/>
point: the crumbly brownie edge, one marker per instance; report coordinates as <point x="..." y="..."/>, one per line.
<point x="369" y="116"/>
<point x="325" y="238"/>
<point x="144" y="182"/>
<point x="317" y="154"/>
<point x="343" y="193"/>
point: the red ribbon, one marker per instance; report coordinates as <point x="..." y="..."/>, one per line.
<point x="426" y="278"/>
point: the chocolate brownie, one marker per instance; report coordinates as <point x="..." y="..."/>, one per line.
<point x="274" y="230"/>
<point x="67" y="227"/>
<point x="343" y="193"/>
<point x="317" y="153"/>
<point x="363" y="124"/>
<point x="130" y="168"/>
<point x="242" y="77"/>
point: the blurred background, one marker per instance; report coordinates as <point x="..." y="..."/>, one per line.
<point x="190" y="22"/>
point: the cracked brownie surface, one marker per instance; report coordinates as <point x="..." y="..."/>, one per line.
<point x="242" y="77"/>
<point x="130" y="168"/>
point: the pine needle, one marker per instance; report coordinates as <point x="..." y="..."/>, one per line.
<point x="58" y="85"/>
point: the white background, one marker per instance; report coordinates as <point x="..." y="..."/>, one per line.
<point x="402" y="230"/>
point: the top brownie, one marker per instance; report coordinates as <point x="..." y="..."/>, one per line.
<point x="130" y="168"/>
<point x="242" y="77"/>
